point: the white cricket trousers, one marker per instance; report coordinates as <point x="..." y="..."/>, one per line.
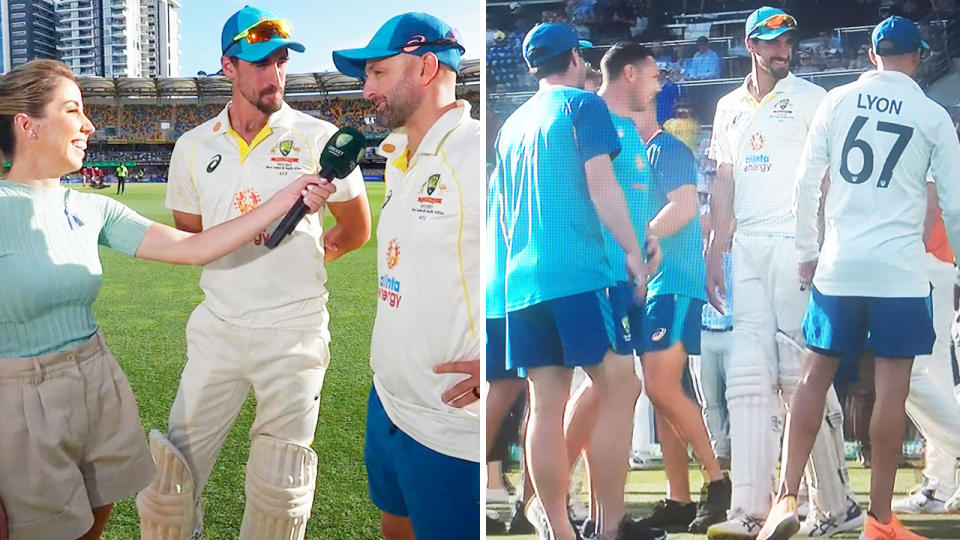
<point x="930" y="403"/>
<point x="283" y="367"/>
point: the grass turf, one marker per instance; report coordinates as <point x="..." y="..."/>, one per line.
<point x="646" y="487"/>
<point x="143" y="310"/>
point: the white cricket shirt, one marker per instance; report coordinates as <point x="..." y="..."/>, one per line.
<point x="430" y="307"/>
<point x="216" y="174"/>
<point x="880" y="136"/>
<point x="762" y="141"/>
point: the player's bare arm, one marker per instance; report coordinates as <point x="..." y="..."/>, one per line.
<point x="607" y="197"/>
<point x="352" y="229"/>
<point x="680" y="209"/>
<point x="191" y="223"/>
<point x="721" y="223"/>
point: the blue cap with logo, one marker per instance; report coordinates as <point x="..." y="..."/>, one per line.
<point x="253" y="34"/>
<point x="547" y="40"/>
<point x="411" y="33"/>
<point x="896" y="35"/>
<point x="769" y="23"/>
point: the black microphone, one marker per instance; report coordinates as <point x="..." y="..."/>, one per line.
<point x="340" y="156"/>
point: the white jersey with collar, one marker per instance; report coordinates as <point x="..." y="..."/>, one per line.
<point x="761" y="140"/>
<point x="210" y="176"/>
<point x="430" y="307"/>
<point x="880" y="138"/>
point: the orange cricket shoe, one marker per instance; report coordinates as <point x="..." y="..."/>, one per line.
<point x="782" y="521"/>
<point x="894" y="530"/>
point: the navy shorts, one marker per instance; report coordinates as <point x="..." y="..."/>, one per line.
<point x="572" y="331"/>
<point x="439" y="493"/>
<point x="669" y="318"/>
<point x="897" y="327"/>
<point x="497" y="351"/>
<point x="627" y="319"/>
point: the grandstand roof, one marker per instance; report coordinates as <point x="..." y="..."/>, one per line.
<point x="297" y="83"/>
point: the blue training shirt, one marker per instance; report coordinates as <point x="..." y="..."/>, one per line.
<point x="633" y="173"/>
<point x="551" y="228"/>
<point x="682" y="270"/>
<point x="496" y="248"/>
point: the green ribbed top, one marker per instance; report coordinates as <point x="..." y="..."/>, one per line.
<point x="50" y="271"/>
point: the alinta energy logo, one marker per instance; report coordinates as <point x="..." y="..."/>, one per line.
<point x="246" y="200"/>
<point x="393" y="253"/>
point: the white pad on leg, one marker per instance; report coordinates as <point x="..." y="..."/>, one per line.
<point x="281" y="476"/>
<point x="166" y="505"/>
<point x="754" y="437"/>
<point x="826" y="472"/>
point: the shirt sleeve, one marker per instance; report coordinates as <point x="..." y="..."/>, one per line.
<point x="348" y="187"/>
<point x="719" y="147"/>
<point x="182" y="195"/>
<point x="123" y="229"/>
<point x="814" y="160"/>
<point x="676" y="163"/>
<point x="944" y="169"/>
<point x="594" y="128"/>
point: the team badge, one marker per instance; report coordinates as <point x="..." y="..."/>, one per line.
<point x="432" y="183"/>
<point x="783" y="103"/>
<point x="343" y="139"/>
<point x="214" y="163"/>
<point x="393" y="253"/>
<point x="285" y="147"/>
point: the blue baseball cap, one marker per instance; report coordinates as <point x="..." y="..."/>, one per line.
<point x="896" y="35"/>
<point x="411" y="33"/>
<point x="252" y="34"/>
<point x="769" y="23"/>
<point x="547" y="40"/>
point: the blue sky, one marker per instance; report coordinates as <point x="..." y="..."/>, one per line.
<point x="321" y="25"/>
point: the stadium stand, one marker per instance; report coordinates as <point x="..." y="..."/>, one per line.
<point x="831" y="51"/>
<point x="138" y="120"/>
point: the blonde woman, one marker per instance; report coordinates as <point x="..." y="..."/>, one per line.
<point x="71" y="442"/>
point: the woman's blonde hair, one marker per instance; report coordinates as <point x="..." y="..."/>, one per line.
<point x="27" y="88"/>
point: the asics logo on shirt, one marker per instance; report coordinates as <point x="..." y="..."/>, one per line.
<point x="214" y="163"/>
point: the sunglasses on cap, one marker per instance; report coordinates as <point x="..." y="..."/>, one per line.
<point x="418" y="41"/>
<point x="775" y="22"/>
<point x="265" y="31"/>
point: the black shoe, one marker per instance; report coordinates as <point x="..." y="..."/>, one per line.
<point x="713" y="505"/>
<point x="518" y="522"/>
<point x="629" y="529"/>
<point x="495" y="527"/>
<point x="672" y="516"/>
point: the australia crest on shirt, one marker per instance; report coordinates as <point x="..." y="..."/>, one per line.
<point x="430" y="196"/>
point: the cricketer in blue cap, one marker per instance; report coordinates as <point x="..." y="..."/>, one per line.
<point x="410" y="33"/>
<point x="896" y="35"/>
<point x="253" y="34"/>
<point x="548" y="40"/>
<point x="769" y="23"/>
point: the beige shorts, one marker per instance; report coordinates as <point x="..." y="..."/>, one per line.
<point x="70" y="440"/>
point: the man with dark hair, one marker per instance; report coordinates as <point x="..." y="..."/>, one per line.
<point x="866" y="282"/>
<point x="555" y="173"/>
<point x="667" y="327"/>
<point x="756" y="132"/>
<point x="268" y="335"/>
